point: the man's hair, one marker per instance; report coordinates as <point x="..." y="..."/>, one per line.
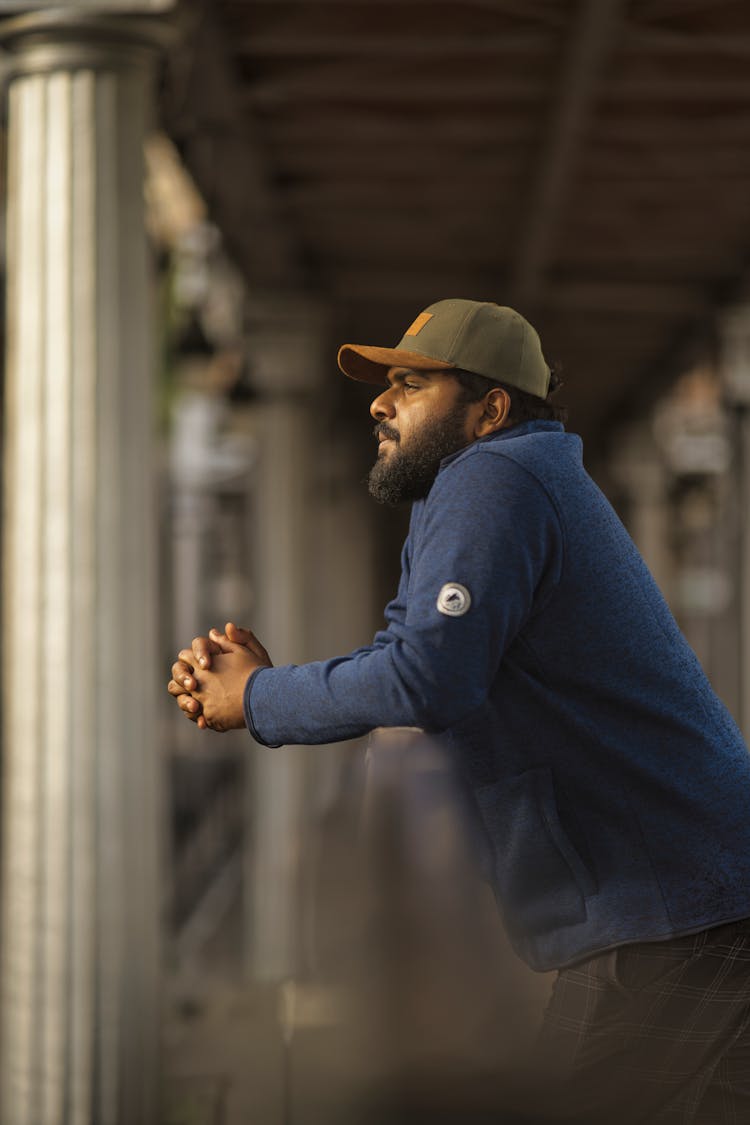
<point x="524" y="407"/>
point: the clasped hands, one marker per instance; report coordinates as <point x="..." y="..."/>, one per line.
<point x="208" y="679"/>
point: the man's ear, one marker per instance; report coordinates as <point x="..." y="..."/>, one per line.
<point x="496" y="408"/>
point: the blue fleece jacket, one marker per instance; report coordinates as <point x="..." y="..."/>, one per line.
<point x="612" y="785"/>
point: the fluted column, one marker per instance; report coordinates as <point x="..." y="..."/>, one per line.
<point x="286" y="351"/>
<point x="80" y="948"/>
<point x="638" y="467"/>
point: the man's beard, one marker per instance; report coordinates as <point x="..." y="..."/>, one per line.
<point x="407" y="474"/>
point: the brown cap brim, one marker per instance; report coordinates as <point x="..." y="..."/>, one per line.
<point x="371" y="365"/>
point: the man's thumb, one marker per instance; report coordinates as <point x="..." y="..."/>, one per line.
<point x="223" y="642"/>
<point x="247" y="638"/>
<point x="237" y="634"/>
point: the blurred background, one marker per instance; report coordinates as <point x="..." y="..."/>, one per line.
<point x="203" y="199"/>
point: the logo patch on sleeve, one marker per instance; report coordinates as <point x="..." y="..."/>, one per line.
<point x="454" y="600"/>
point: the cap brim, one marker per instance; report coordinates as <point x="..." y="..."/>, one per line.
<point x="371" y="365"/>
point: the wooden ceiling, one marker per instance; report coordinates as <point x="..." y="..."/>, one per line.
<point x="587" y="161"/>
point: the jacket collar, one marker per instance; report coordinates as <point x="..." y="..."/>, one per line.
<point x="537" y="425"/>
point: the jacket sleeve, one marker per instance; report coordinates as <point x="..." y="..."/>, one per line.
<point x="488" y="525"/>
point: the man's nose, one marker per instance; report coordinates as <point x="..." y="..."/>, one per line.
<point x="382" y="406"/>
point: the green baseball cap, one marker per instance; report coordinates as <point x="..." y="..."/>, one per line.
<point x="479" y="336"/>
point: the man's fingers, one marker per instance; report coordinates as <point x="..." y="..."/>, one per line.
<point x="203" y="648"/>
<point x="184" y="700"/>
<point x="237" y="634"/>
<point x="190" y="706"/>
<point x="228" y="647"/>
<point x="229" y="643"/>
<point x="176" y="688"/>
<point x="246" y="637"/>
<point x="192" y="710"/>
<point x="182" y="670"/>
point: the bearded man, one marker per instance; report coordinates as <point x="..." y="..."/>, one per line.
<point x="528" y="637"/>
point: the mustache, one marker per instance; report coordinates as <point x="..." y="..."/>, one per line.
<point x="386" y="431"/>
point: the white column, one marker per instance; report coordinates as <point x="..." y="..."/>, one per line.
<point x="312" y="601"/>
<point x="284" y="348"/>
<point x="639" y="469"/>
<point x="79" y="875"/>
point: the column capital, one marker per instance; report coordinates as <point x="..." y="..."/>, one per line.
<point x="63" y="38"/>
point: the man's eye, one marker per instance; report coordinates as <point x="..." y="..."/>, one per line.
<point x="411" y="386"/>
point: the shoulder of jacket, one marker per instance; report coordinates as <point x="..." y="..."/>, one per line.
<point x="502" y="462"/>
<point x="502" y="457"/>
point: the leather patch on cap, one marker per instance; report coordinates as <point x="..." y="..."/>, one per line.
<point x="418" y="324"/>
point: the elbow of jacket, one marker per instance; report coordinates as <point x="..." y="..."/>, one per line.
<point x="442" y="706"/>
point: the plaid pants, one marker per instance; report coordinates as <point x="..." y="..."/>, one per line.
<point x="657" y="1032"/>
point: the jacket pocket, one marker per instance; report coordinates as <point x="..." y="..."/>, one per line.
<point x="541" y="880"/>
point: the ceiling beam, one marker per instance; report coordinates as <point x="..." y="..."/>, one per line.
<point x="529" y="10"/>
<point x="445" y="201"/>
<point x="666" y="129"/>
<point x="663" y="9"/>
<point x="592" y="37"/>
<point x="669" y="42"/>
<point x="350" y="84"/>
<point x="449" y="201"/>
<point x="611" y="297"/>
<point x="362" y="162"/>
<point x="670" y="257"/>
<point x="633" y="171"/>
<point x="272" y="93"/>
<point x="645" y="172"/>
<point x="593" y="221"/>
<point x="343" y="128"/>
<point x="400" y="287"/>
<point x="594" y="229"/>
<point x="298" y="44"/>
<point x="700" y="91"/>
<point x="626" y="298"/>
<point x="384" y="243"/>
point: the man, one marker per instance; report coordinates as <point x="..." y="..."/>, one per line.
<point x="529" y="638"/>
